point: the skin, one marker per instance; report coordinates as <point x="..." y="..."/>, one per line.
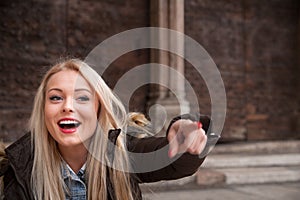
<point x="69" y="96"/>
<point x="186" y="136"/>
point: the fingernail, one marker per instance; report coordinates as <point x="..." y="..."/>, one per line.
<point x="170" y="153"/>
<point x="199" y="125"/>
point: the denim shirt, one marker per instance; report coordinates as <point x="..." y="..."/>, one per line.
<point x="76" y="188"/>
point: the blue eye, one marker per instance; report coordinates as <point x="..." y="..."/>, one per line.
<point x="55" y="98"/>
<point x="83" y="98"/>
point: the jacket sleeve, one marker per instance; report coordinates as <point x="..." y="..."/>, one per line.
<point x="153" y="164"/>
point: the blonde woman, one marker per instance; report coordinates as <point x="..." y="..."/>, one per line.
<point x="77" y="147"/>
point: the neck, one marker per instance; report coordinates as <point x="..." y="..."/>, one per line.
<point x="75" y="156"/>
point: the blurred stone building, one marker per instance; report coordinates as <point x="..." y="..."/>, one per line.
<point x="254" y="43"/>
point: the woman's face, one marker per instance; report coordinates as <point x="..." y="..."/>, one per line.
<point x="70" y="108"/>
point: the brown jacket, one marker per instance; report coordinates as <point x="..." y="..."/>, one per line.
<point x="17" y="166"/>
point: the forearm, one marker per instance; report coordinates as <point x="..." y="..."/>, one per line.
<point x="150" y="158"/>
<point x="179" y="167"/>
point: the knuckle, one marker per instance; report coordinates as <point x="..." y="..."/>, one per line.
<point x="197" y="151"/>
<point x="191" y="150"/>
<point x="202" y="135"/>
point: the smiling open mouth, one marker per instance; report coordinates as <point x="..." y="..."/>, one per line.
<point x="68" y="124"/>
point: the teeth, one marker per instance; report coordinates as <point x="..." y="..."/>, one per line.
<point x="65" y="122"/>
<point x="69" y="124"/>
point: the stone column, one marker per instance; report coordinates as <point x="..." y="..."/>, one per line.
<point x="167" y="14"/>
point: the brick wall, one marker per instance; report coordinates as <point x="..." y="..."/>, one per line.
<point x="251" y="41"/>
<point x="36" y="33"/>
<point x="253" y="44"/>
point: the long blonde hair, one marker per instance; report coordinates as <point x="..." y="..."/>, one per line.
<point x="47" y="182"/>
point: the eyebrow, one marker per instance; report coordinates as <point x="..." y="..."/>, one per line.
<point x="76" y="90"/>
<point x="57" y="89"/>
<point x="83" y="89"/>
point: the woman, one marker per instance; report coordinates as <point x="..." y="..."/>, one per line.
<point x="78" y="148"/>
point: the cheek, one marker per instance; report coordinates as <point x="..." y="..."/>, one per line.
<point x="89" y="119"/>
<point x="47" y="114"/>
<point x="91" y="114"/>
<point x="88" y="112"/>
<point x="50" y="112"/>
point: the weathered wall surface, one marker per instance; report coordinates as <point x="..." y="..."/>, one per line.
<point x="253" y="43"/>
<point x="37" y="33"/>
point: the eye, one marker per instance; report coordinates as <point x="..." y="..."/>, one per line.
<point x="83" y="98"/>
<point x="55" y="98"/>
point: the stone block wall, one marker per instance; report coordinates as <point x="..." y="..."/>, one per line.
<point x="254" y="45"/>
<point x="37" y="33"/>
<point x="251" y="41"/>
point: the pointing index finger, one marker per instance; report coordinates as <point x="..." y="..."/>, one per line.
<point x="173" y="142"/>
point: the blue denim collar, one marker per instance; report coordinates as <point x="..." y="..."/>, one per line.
<point x="67" y="172"/>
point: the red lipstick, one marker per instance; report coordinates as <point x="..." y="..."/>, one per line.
<point x="68" y="125"/>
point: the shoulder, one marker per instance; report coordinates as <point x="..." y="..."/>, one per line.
<point x="17" y="153"/>
<point x="22" y="145"/>
<point x="138" y="125"/>
<point x="16" y="161"/>
<point x="20" y="153"/>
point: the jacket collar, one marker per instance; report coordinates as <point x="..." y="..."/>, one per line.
<point x="112" y="136"/>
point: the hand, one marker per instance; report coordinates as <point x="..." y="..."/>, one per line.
<point x="186" y="136"/>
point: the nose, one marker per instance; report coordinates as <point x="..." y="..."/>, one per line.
<point x="68" y="105"/>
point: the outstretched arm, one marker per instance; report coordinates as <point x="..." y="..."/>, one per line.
<point x="174" y="156"/>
